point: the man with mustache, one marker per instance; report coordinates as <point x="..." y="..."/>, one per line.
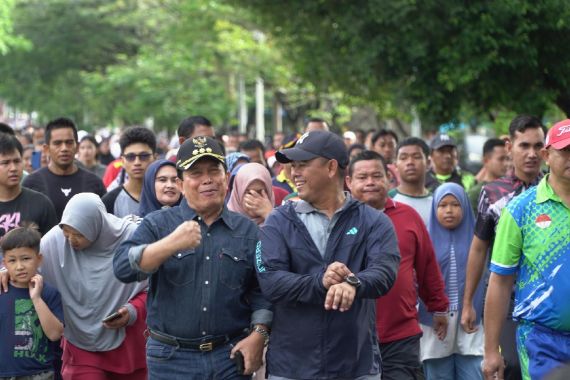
<point x="418" y="276"/>
<point x="204" y="303"/>
<point x="323" y="261"/>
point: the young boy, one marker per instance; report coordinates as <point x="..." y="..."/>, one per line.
<point x="138" y="148"/>
<point x="31" y="313"/>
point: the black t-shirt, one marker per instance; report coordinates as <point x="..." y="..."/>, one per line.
<point x="29" y="206"/>
<point x="60" y="188"/>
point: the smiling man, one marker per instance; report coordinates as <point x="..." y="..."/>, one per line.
<point x="323" y="261"/>
<point x="419" y="275"/>
<point x="204" y="303"/>
<point x="62" y="178"/>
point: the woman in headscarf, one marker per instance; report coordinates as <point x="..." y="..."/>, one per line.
<point x="452" y="353"/>
<point x="252" y="192"/>
<point x="78" y="260"/>
<point x="159" y="187"/>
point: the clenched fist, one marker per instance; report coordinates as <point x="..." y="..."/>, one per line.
<point x="186" y="236"/>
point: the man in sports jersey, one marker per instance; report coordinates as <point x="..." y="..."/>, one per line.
<point x="533" y="246"/>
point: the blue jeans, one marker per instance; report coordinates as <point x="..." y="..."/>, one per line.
<point x="176" y="363"/>
<point x="454" y="367"/>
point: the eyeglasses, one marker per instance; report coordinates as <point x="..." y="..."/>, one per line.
<point x="131" y="157"/>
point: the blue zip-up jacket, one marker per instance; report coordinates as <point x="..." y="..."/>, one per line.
<point x="307" y="341"/>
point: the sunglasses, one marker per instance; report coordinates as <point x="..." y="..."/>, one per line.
<point x="131" y="157"/>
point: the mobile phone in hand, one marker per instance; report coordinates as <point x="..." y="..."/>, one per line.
<point x="238" y="359"/>
<point x="112" y="317"/>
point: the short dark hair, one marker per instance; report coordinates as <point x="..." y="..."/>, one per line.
<point x="61" y="122"/>
<point x="90" y="138"/>
<point x="355" y="146"/>
<point x="9" y="143"/>
<point x="382" y="133"/>
<point x="317" y="120"/>
<point x="5" y="128"/>
<point x="523" y="122"/>
<point x="490" y="145"/>
<point x="409" y="141"/>
<point x="251" y="145"/>
<point x="188" y="125"/>
<point x="367" y="155"/>
<point x="134" y="135"/>
<point x="26" y="236"/>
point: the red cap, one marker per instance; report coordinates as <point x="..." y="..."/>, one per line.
<point x="559" y="135"/>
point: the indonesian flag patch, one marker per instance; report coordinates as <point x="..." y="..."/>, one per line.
<point x="543" y="221"/>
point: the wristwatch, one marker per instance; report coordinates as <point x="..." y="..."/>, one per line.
<point x="352" y="280"/>
<point x="264" y="333"/>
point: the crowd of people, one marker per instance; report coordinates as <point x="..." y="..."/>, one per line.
<point x="362" y="256"/>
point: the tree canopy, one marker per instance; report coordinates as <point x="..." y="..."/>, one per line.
<point x="442" y="56"/>
<point x="120" y="62"/>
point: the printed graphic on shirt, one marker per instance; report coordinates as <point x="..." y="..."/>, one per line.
<point x="494" y="197"/>
<point x="9" y="221"/>
<point x="258" y="261"/>
<point x="66" y="191"/>
<point x="533" y="243"/>
<point x="28" y="332"/>
<point x="543" y="221"/>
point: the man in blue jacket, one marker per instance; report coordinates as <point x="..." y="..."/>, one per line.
<point x="323" y="261"/>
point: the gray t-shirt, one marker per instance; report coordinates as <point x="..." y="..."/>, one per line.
<point x="120" y="203"/>
<point x="421" y="204"/>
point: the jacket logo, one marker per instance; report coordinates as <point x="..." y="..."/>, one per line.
<point x="352" y="231"/>
<point x="66" y="191"/>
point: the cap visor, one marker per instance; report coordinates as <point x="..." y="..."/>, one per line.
<point x="560" y="144"/>
<point x="294" y="154"/>
<point x="442" y="145"/>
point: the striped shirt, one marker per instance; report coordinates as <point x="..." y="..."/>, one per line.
<point x="453" y="291"/>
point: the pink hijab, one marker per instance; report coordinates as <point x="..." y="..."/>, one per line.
<point x="245" y="176"/>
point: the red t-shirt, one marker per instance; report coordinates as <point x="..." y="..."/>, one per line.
<point x="396" y="312"/>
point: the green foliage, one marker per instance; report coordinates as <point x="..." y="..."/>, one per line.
<point x="119" y="62"/>
<point x="7" y="38"/>
<point x="442" y="56"/>
<point x="67" y="38"/>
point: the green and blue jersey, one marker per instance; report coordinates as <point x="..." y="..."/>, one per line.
<point x="533" y="241"/>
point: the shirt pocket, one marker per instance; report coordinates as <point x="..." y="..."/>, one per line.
<point x="235" y="268"/>
<point x="180" y="269"/>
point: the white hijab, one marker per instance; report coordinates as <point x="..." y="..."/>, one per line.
<point x="85" y="279"/>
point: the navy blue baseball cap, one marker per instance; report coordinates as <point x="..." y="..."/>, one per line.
<point x="316" y="144"/>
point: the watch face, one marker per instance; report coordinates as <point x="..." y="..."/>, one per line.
<point x="353" y="280"/>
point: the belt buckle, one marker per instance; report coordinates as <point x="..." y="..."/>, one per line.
<point x="206" y="346"/>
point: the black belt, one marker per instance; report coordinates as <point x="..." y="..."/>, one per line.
<point x="203" y="344"/>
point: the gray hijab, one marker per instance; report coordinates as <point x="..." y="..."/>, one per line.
<point x="85" y="278"/>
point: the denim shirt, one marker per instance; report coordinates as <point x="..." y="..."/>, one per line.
<point x="207" y="291"/>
